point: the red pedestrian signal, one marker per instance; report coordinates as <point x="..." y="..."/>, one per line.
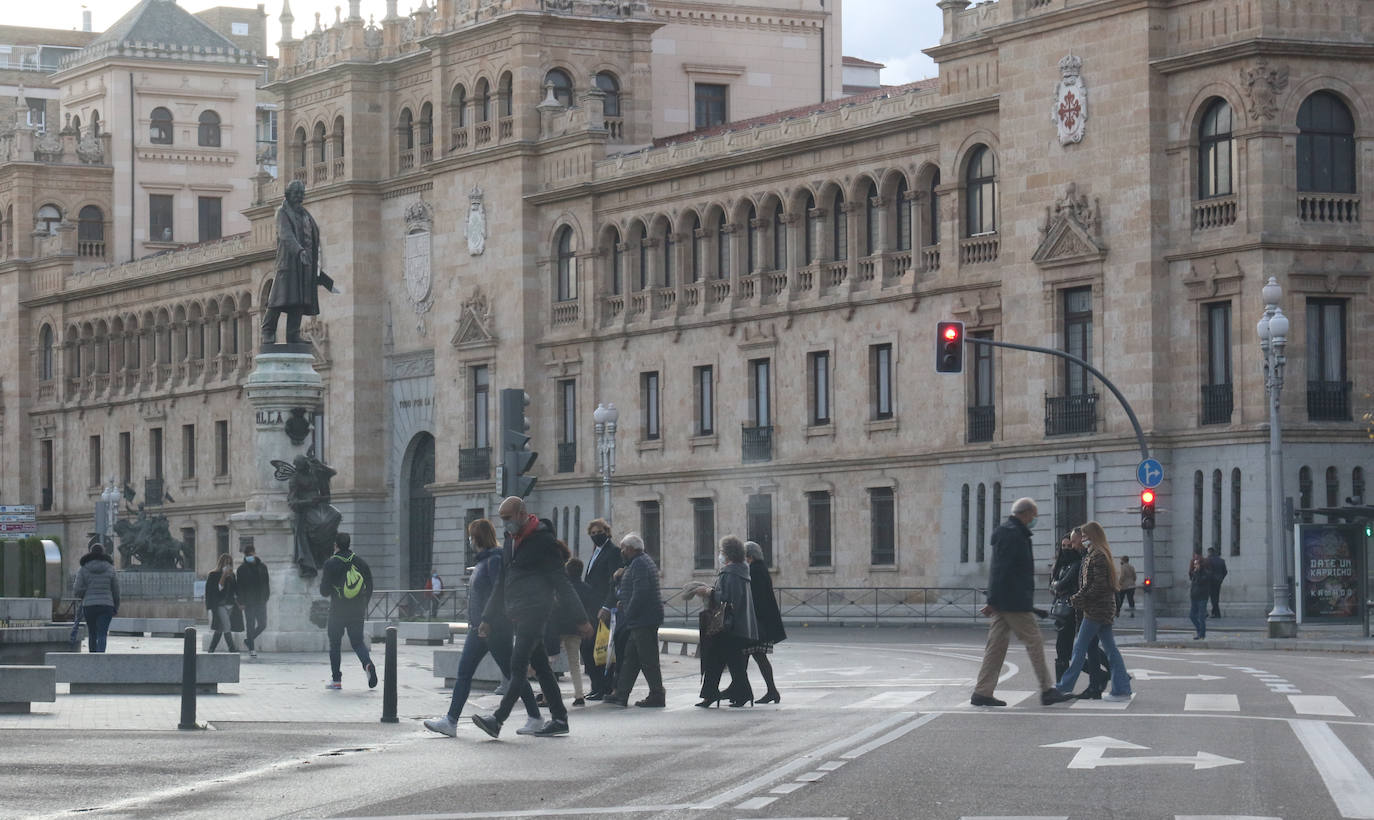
<point x="1147" y="509"/>
<point x="949" y="347"/>
<point x="1148" y="584"/>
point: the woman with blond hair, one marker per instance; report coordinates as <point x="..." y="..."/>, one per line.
<point x="1096" y="599"/>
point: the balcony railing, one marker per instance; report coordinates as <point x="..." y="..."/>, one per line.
<point x="1217" y="212"/>
<point x="930" y="258"/>
<point x="482" y="133"/>
<point x="506" y="128"/>
<point x="1066" y="415"/>
<point x="1328" y="401"/>
<point x="321" y="172"/>
<point x="1329" y="208"/>
<point x="567" y="456"/>
<point x="90" y="248"/>
<point x="615" y="127"/>
<point x="565" y="313"/>
<point x="756" y="443"/>
<point x="152" y="492"/>
<point x="338" y="168"/>
<point x="474" y="463"/>
<point x="426" y="153"/>
<point x="1217" y="403"/>
<point x="982" y="421"/>
<point x="458" y="138"/>
<point x="977" y="250"/>
<point x="406" y="160"/>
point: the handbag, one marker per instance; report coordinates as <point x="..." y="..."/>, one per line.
<point x="1061" y="609"/>
<point x="236" y="618"/>
<point x="719" y="619"/>
<point x="602" y="644"/>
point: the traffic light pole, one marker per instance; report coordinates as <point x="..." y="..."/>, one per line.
<point x="1147" y="537"/>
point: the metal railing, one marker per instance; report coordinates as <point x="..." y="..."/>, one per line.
<point x="756" y="443"/>
<point x="418" y="605"/>
<point x="1328" y="401"/>
<point x="567" y="456"/>
<point x="474" y="463"/>
<point x="982" y="422"/>
<point x="1217" y="403"/>
<point x="1066" y="415"/>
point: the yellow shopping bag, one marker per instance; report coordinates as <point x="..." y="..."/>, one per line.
<point x="603" y="642"/>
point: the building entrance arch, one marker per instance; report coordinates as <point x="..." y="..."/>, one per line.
<point x="419" y="511"/>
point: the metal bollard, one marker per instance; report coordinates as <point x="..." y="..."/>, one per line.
<point x="389" y="682"/>
<point x="188" y="681"/>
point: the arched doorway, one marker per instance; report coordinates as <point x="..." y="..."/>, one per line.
<point x="420" y="510"/>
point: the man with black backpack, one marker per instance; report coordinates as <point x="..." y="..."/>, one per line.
<point x="347" y="582"/>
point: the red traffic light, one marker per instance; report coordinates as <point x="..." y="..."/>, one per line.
<point x="951" y="333"/>
<point x="1147" y="496"/>
<point x="949" y="347"/>
<point x="1148" y="583"/>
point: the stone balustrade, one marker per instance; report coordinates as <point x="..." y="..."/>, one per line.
<point x="1339" y="209"/>
<point x="1217" y="212"/>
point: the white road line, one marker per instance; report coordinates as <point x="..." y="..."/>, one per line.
<point x="811" y="777"/>
<point x="1103" y="705"/>
<point x="1222" y="817"/>
<point x="832" y="765"/>
<point x="1011" y="696"/>
<point x="1016" y="817"/>
<point x="891" y="700"/>
<point x="786" y="788"/>
<point x="1211" y="703"/>
<point x="1324" y="705"/>
<point x="756" y="803"/>
<point x="887" y="738"/>
<point x="1349" y="783"/>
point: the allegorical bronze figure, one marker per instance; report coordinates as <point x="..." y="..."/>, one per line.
<point x="298" y="277"/>
<point x="317" y="521"/>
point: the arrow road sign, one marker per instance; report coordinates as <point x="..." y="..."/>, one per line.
<point x="1150" y="674"/>
<point x="1092" y="754"/>
<point x="1149" y="473"/>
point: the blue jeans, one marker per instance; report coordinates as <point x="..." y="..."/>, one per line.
<point x="1197" y="613"/>
<point x="97" y="625"/>
<point x="1121" y="684"/>
<point x="474" y="649"/>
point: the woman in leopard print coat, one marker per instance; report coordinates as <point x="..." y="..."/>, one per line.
<point x="1096" y="598"/>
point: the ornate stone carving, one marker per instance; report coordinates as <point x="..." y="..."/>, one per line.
<point x="90" y="150"/>
<point x="477" y="222"/>
<point x="418" y="272"/>
<point x="1262" y="86"/>
<point x="474" y="323"/>
<point x="1070" y="112"/>
<point x="1071" y="231"/>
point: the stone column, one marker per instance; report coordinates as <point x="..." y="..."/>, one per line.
<point x="283" y="378"/>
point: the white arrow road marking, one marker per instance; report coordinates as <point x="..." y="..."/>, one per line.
<point x="1150" y="674"/>
<point x="1349" y="783"/>
<point x="1092" y="751"/>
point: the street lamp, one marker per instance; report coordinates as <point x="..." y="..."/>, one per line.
<point x="1273" y="338"/>
<point x="605" y="417"/>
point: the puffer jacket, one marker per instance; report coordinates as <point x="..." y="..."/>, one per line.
<point x="1096" y="596"/>
<point x="732" y="585"/>
<point x="96" y="581"/>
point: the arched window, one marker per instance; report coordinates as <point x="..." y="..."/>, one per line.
<point x="1235" y="511"/>
<point x="1197" y="512"/>
<point x="617" y="263"/>
<point x="642" y="242"/>
<point x="302" y="152"/>
<point x="405" y="130"/>
<point x="1216" y="510"/>
<point x="1305" y="493"/>
<point x="1214" y="160"/>
<point x="901" y="197"/>
<point x="698" y="241"/>
<point x="48" y="218"/>
<point x="160" y="127"/>
<point x="979" y="552"/>
<point x="76" y="125"/>
<point x="567" y="265"/>
<point x="751" y="253"/>
<point x="504" y="92"/>
<point x="90" y="231"/>
<point x="779" y="238"/>
<point x="872" y="219"/>
<point x="321" y="143"/>
<point x="338" y="137"/>
<point x="1326" y="145"/>
<point x="483" y="100"/>
<point x="669" y="251"/>
<point x="839" y="228"/>
<point x="933" y="212"/>
<point x="562" y="86"/>
<point x="722" y="247"/>
<point x="426" y="124"/>
<point x="207" y="133"/>
<point x="609" y="86"/>
<point x="95" y="123"/>
<point x="45" y="362"/>
<point x="1333" y="487"/>
<point x="980" y="191"/>
<point x="811" y="251"/>
<point x="458" y="104"/>
<point x="1357" y="485"/>
<point x="963" y="525"/>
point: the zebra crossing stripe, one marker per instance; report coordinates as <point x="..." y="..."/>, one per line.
<point x="1211" y="703"/>
<point x="891" y="700"/>
<point x="1349" y="783"/>
<point x="1324" y="705"/>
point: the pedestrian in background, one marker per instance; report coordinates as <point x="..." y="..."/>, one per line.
<point x="601" y="566"/>
<point x="98" y="588"/>
<point x="1199" y="590"/>
<point x="726" y="650"/>
<point x="1125" y="585"/>
<point x="346" y="581"/>
<point x="1216" y="568"/>
<point x="1011" y="594"/>
<point x="572" y="641"/>
<point x="771" y="631"/>
<point x="221" y="599"/>
<point x="641" y="614"/>
<point x="254" y="588"/>
<point x="1096" y="598"/>
<point x="486" y="574"/>
<point x="434" y="590"/>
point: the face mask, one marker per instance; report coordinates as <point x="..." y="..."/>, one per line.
<point x="511" y="526"/>
<point x="248" y="559"/>
<point x="1031" y="525"/>
<point x="600" y="539"/>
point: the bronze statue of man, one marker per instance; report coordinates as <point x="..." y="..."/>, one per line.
<point x="294" y="288"/>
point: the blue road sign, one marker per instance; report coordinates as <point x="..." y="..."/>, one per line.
<point x="1150" y="473"/>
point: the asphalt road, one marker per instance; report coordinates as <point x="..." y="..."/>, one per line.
<point x="873" y="724"/>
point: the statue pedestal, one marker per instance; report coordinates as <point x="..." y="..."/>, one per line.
<point x="282" y="389"/>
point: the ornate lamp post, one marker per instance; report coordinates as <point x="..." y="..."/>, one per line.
<point x="1273" y="338"/>
<point x="605" y="417"/>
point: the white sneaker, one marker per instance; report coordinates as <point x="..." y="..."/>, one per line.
<point x="531" y="726"/>
<point x="1117" y="698"/>
<point x="252" y="653"/>
<point x="501" y="690"/>
<point x="443" y="724"/>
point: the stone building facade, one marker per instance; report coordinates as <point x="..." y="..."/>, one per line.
<point x="758" y="298"/>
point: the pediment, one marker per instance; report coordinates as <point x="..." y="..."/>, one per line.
<point x="472" y="332"/>
<point x="1068" y="243"/>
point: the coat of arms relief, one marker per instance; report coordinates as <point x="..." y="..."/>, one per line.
<point x="418" y="273"/>
<point x="1070" y="112"/>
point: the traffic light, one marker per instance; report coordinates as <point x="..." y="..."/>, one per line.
<point x="1147" y="509"/>
<point x="949" y="347"/>
<point x="1148" y="584"/>
<point x="516" y="456"/>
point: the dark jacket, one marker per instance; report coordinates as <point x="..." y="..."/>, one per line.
<point x="639" y="603"/>
<point x="1200" y="582"/>
<point x="254" y="586"/>
<point x="733" y="585"/>
<point x="332" y="581"/>
<point x="600" y="571"/>
<point x="765" y="603"/>
<point x="1096" y="596"/>
<point x="1216" y="567"/>
<point x="1011" y="578"/>
<point x="217" y="596"/>
<point x="96" y="581"/>
<point x="1064" y="576"/>
<point x="486" y="574"/>
<point x="532" y="579"/>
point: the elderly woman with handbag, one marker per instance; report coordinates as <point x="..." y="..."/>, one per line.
<point x="730" y="627"/>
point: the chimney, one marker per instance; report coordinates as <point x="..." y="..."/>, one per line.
<point x="86" y="20"/>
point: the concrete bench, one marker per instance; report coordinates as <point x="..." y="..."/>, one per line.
<point x="686" y="637"/>
<point x="446" y="666"/>
<point x="376" y="630"/>
<point x="29" y="644"/>
<point x="16" y="611"/>
<point x="20" y="686"/>
<point x="154" y="673"/>
<point x="156" y="627"/>
<point x="423" y="633"/>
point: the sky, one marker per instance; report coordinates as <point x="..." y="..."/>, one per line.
<point x="886" y="31"/>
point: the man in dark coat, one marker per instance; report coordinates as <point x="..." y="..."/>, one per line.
<point x="294" y="287"/>
<point x="347" y="608"/>
<point x="1011" y="590"/>
<point x="533" y="579"/>
<point x="254" y="589"/>
<point x="641" y="613"/>
<point x="1216" y="567"/>
<point x="601" y="567"/>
